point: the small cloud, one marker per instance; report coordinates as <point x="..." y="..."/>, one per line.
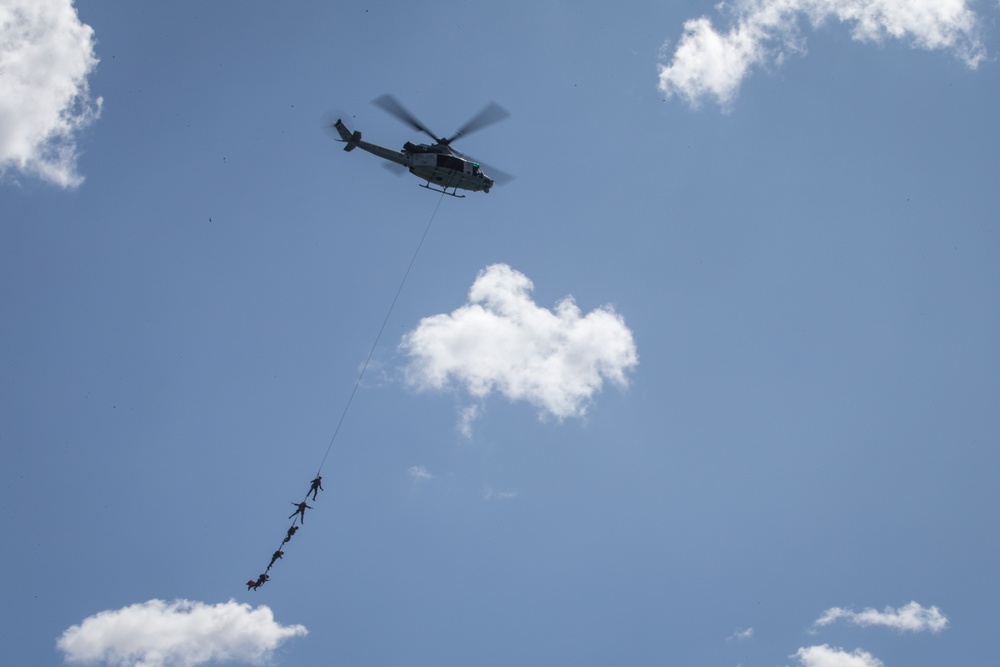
<point x="46" y="55"/>
<point x="466" y="416"/>
<point x="419" y="474"/>
<point x="713" y="64"/>
<point x="182" y="633"/>
<point x="490" y="494"/>
<point x="826" y="656"/>
<point x="503" y="341"/>
<point x="908" y="618"/>
<point x="740" y="634"/>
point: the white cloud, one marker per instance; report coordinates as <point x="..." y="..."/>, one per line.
<point x="502" y="341"/>
<point x="740" y="633"/>
<point x="908" y="618"/>
<point x="419" y="473"/>
<point x="825" y="656"/>
<point x="46" y="54"/>
<point x="181" y="633"/>
<point x="712" y="64"/>
<point x="490" y="494"/>
<point x="466" y="416"/>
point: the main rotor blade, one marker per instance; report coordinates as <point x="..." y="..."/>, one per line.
<point x="390" y="104"/>
<point x="499" y="177"/>
<point x="394" y="167"/>
<point x="490" y="114"/>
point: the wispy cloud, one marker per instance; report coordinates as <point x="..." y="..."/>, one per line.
<point x="708" y="63"/>
<point x="502" y="341"/>
<point x="911" y="617"/>
<point x="740" y="633"/>
<point x="419" y="474"/>
<point x="826" y="656"/>
<point x="490" y="494"/>
<point x="181" y="633"/>
<point x="46" y="55"/>
<point x="466" y="416"/>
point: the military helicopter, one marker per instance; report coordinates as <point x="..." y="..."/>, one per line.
<point x="438" y="163"/>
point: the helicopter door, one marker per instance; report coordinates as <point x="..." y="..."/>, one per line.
<point x="451" y="162"/>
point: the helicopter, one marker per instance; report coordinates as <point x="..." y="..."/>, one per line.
<point x="438" y="163"/>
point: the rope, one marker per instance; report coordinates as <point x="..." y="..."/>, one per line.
<point x="379" y="336"/>
<point x="361" y="376"/>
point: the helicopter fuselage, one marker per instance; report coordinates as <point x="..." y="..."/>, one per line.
<point x="437" y="164"/>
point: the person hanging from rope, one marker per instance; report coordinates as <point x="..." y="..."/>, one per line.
<point x="300" y="509"/>
<point x="255" y="584"/>
<point x="315" y="486"/>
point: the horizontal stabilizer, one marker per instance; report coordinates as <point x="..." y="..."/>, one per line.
<point x="352" y="143"/>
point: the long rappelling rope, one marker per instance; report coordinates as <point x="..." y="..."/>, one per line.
<point x="379" y="335"/>
<point x="316" y="484"/>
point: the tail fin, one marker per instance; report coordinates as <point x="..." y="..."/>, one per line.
<point x="351" y="139"/>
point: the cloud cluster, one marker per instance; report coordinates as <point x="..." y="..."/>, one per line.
<point x="502" y="341"/>
<point x="712" y="64"/>
<point x="46" y="54"/>
<point x="911" y="617"/>
<point x="826" y="656"/>
<point x="181" y="633"/>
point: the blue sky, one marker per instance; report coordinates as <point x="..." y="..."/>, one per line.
<point x="712" y="382"/>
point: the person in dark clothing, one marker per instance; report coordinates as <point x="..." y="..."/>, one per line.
<point x="300" y="509"/>
<point x="315" y="486"/>
<point x="260" y="580"/>
<point x="291" y="531"/>
<point x="252" y="585"/>
<point x="275" y="556"/>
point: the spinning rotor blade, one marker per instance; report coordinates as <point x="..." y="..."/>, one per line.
<point x="490" y="114"/>
<point x="394" y="168"/>
<point x="330" y="118"/>
<point x="499" y="177"/>
<point x="391" y="105"/>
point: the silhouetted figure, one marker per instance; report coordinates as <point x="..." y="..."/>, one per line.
<point x="252" y="585"/>
<point x="300" y="509"/>
<point x="315" y="486"/>
<point x="275" y="556"/>
<point x="260" y="580"/>
<point x="291" y="531"/>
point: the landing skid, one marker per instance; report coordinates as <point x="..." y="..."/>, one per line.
<point x="443" y="191"/>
